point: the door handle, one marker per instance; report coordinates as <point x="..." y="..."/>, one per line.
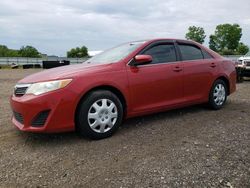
<point x="212" y="65"/>
<point x="177" y="69"/>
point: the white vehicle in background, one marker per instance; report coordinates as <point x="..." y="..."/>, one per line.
<point x="93" y="53"/>
<point x="244" y="62"/>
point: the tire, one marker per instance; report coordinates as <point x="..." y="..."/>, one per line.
<point x="218" y="94"/>
<point x="100" y="114"/>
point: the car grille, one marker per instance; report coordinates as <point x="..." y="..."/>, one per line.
<point x="20" y="89"/>
<point x="247" y="63"/>
<point x="18" y="117"/>
<point x="40" y="119"/>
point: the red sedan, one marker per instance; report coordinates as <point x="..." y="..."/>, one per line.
<point x="133" y="79"/>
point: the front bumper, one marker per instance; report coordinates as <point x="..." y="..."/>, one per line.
<point x="246" y="72"/>
<point x="57" y="109"/>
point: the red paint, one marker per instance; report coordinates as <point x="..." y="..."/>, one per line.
<point x="140" y="59"/>
<point x="146" y="88"/>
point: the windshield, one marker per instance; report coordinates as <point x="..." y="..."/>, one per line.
<point x="115" y="54"/>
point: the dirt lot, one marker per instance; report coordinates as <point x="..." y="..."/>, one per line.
<point x="190" y="147"/>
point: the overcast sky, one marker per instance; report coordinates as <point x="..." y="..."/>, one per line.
<point x="54" y="26"/>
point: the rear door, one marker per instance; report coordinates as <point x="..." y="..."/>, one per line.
<point x="159" y="83"/>
<point x="199" y="70"/>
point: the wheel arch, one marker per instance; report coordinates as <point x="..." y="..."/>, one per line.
<point x="226" y="80"/>
<point x="110" y="88"/>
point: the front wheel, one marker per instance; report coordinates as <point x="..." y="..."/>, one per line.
<point x="99" y="115"/>
<point x="218" y="94"/>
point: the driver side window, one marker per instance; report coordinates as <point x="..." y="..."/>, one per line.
<point x="162" y="53"/>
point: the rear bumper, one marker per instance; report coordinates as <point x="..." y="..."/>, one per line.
<point x="59" y="105"/>
<point x="232" y="82"/>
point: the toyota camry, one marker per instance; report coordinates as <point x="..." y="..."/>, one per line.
<point x="133" y="79"/>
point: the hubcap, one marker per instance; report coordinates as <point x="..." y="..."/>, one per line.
<point x="102" y="115"/>
<point x="219" y="94"/>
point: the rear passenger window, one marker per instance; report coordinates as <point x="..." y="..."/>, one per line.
<point x="190" y="52"/>
<point x="162" y="53"/>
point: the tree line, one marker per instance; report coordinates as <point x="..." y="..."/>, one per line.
<point x="24" y="51"/>
<point x="30" y="51"/>
<point x="225" y="40"/>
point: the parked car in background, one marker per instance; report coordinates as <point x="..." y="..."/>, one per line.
<point x="244" y="64"/>
<point x="133" y="79"/>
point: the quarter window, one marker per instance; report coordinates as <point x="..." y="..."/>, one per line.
<point x="162" y="53"/>
<point x="206" y="55"/>
<point x="190" y="52"/>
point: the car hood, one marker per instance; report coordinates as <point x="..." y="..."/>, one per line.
<point x="63" y="72"/>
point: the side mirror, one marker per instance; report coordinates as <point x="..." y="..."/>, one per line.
<point x="142" y="59"/>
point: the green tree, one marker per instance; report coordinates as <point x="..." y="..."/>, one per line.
<point x="78" y="52"/>
<point x="226" y="38"/>
<point x="13" y="53"/>
<point x="196" y="33"/>
<point x="29" y="51"/>
<point x="3" y="51"/>
<point x="242" y="49"/>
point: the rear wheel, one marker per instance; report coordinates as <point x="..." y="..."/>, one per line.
<point x="99" y="115"/>
<point x="218" y="94"/>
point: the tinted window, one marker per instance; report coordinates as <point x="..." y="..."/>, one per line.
<point x="162" y="53"/>
<point x="190" y="52"/>
<point x="206" y="55"/>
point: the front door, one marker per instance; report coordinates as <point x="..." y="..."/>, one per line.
<point x="158" y="84"/>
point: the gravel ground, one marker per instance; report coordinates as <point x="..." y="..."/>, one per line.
<point x="190" y="147"/>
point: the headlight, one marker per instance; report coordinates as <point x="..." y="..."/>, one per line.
<point x="44" y="87"/>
